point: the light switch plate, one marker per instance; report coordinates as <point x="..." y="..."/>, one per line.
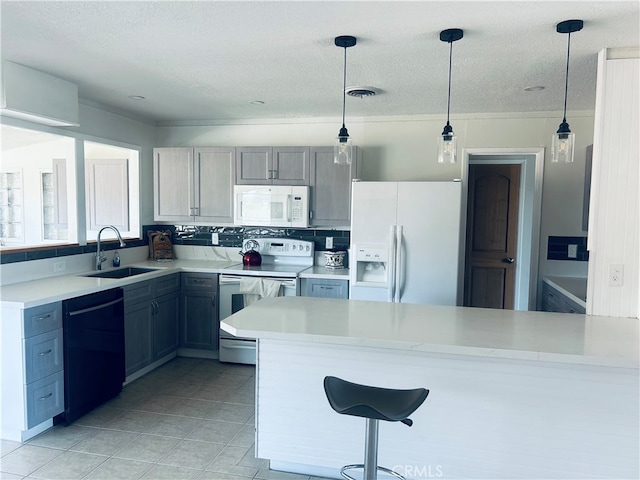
<point x="572" y="251"/>
<point x="215" y="239"/>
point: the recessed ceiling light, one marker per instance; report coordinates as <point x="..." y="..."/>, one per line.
<point x="136" y="97"/>
<point x="256" y="102"/>
<point x="537" y="88"/>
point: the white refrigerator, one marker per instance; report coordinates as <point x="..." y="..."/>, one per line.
<point x="405" y="242"/>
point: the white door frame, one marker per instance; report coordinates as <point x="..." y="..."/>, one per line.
<point x="529" y="213"/>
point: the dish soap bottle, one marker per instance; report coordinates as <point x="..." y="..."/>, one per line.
<point x="116" y="259"/>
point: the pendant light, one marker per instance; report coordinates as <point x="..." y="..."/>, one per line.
<point x="343" y="149"/>
<point x="447" y="141"/>
<point x="563" y="140"/>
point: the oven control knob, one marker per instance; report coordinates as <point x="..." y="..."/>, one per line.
<point x="308" y="248"/>
<point x="294" y="247"/>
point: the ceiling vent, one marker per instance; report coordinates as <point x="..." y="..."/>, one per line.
<point x="362" y="91"/>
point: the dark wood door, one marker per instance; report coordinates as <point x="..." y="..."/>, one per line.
<point x="492" y="234"/>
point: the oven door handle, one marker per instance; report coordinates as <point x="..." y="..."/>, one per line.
<point x="229" y="279"/>
<point x="233" y="279"/>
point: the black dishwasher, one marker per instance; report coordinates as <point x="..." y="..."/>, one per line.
<point x="94" y="368"/>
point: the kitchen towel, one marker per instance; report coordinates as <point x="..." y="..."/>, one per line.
<point x="255" y="288"/>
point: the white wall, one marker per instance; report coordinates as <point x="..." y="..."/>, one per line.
<point x="404" y="148"/>
<point x="614" y="222"/>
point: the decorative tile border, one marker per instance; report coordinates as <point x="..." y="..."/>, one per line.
<point x="191" y="235"/>
<point x="233" y="236"/>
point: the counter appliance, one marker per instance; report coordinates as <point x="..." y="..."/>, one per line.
<point x="405" y="242"/>
<point x="282" y="260"/>
<point x="94" y="356"/>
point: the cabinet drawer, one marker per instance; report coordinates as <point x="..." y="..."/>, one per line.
<point x="45" y="399"/>
<point x="138" y="292"/>
<point x="168" y="284"/>
<point x="327" y="288"/>
<point x="200" y="281"/>
<point x="43" y="355"/>
<point x="43" y="318"/>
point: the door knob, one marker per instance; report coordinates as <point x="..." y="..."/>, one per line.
<point x="508" y="260"/>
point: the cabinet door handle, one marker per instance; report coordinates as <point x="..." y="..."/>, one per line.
<point x="508" y="260"/>
<point x="50" y="394"/>
<point x="199" y="281"/>
<point x="43" y="317"/>
<point x="42" y="354"/>
<point x="213" y="300"/>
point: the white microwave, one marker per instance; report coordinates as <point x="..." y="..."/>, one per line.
<point x="271" y="205"/>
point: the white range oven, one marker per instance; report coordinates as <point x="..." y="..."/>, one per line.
<point x="282" y="260"/>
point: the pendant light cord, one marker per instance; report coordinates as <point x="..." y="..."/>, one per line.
<point x="566" y="81"/>
<point x="449" y="94"/>
<point x="344" y="85"/>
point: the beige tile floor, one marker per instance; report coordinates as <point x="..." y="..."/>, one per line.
<point x="189" y="419"/>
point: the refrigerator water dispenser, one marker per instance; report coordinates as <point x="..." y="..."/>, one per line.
<point x="372" y="265"/>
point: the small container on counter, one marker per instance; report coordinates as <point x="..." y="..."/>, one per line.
<point x="334" y="259"/>
<point x="116" y="259"/>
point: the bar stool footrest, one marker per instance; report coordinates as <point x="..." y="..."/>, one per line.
<point x="361" y="465"/>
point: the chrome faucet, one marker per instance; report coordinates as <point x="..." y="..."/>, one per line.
<point x="99" y="257"/>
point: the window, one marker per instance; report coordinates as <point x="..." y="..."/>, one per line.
<point x="112" y="189"/>
<point x="39" y="189"/>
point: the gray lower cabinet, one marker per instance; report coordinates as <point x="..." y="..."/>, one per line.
<point x="150" y="321"/>
<point x="325" y="288"/>
<point x="199" y="323"/>
<point x="330" y="202"/>
<point x="555" y="301"/>
<point x="32" y="373"/>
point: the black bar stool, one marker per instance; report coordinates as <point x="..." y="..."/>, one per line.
<point x="374" y="404"/>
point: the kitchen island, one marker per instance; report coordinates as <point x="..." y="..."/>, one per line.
<point x="513" y="394"/>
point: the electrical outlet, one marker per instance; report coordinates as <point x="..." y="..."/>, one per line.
<point x="329" y="242"/>
<point x="572" y="251"/>
<point x="215" y="239"/>
<point x="616" y="275"/>
<point x="59" y="267"/>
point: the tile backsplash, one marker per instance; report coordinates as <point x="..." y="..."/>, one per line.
<point x="567" y="248"/>
<point x="190" y="235"/>
<point x="233" y="236"/>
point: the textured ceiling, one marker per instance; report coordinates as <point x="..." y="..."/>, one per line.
<point x="207" y="60"/>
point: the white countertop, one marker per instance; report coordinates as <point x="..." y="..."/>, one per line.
<point x="509" y="334"/>
<point x="573" y="287"/>
<point x="319" y="271"/>
<point x="52" y="289"/>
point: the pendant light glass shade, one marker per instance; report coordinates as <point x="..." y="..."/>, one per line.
<point x="563" y="141"/>
<point x="447" y="145"/>
<point x="343" y="147"/>
<point x="562" y="144"/>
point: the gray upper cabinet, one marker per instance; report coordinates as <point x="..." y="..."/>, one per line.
<point x="330" y="202"/>
<point x="272" y="166"/>
<point x="194" y="184"/>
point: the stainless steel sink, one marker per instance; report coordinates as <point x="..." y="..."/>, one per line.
<point x="121" y="272"/>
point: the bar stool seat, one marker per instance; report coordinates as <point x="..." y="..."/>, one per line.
<point x="374" y="404"/>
